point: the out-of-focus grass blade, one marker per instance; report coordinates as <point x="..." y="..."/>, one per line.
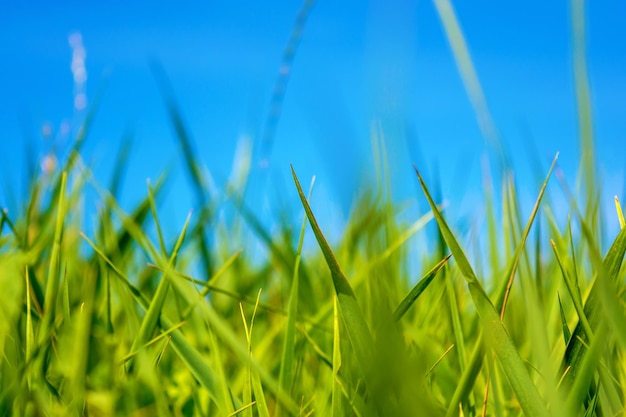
<point x="188" y="354"/>
<point x="468" y="73"/>
<point x="496" y="334"/>
<point x="417" y="289"/>
<point x="149" y="323"/>
<point x="119" y="168"/>
<point x="351" y="313"/>
<point x="155" y="217"/>
<point x="259" y="395"/>
<point x="199" y="181"/>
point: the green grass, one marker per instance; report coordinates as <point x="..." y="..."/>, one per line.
<point x="111" y="322"/>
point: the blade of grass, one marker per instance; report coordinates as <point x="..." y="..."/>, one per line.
<point x="351" y="313"/>
<point x="620" y="213"/>
<point x="418" y="289"/>
<point x="52" y="284"/>
<point x="336" y="406"/>
<point x="566" y="332"/>
<point x="496" y="334"/>
<point x="149" y="323"/>
<point x="285" y="379"/>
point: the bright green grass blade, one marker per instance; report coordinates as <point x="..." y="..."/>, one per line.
<point x="223" y="383"/>
<point x="351" y="313"/>
<point x="521" y="246"/>
<point x="259" y="395"/>
<point x="161" y="336"/>
<point x="418" y="289"/>
<point x="336" y="406"/>
<point x="285" y="379"/>
<point x="187" y="353"/>
<point x="620" y="213"/>
<point x="52" y="284"/>
<point x="149" y="322"/>
<point x="497" y="337"/>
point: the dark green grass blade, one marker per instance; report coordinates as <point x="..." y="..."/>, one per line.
<point x="567" y="334"/>
<point x="418" y="289"/>
<point x="497" y="337"/>
<point x="351" y="313"/>
<point x="609" y="266"/>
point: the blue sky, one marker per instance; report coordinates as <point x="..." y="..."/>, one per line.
<point x="358" y="62"/>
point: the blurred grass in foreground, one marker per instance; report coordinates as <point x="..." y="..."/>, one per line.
<point x="113" y="324"/>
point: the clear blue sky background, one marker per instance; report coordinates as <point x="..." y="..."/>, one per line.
<point x="358" y="61"/>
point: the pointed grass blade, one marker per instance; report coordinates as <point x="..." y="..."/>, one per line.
<point x="620" y="213"/>
<point x="496" y="335"/>
<point x="351" y="313"/>
<point x="418" y="289"/>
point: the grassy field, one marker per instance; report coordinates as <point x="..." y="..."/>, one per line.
<point x="111" y="323"/>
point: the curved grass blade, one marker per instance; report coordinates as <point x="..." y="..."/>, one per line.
<point x="418" y="289"/>
<point x="496" y="334"/>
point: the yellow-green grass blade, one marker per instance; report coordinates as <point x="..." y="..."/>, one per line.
<point x="469" y="376"/>
<point x="352" y="315"/>
<point x="620" y="213"/>
<point x="149" y="322"/>
<point x="285" y="379"/>
<point x="496" y="335"/>
<point x="336" y="406"/>
<point x="187" y="353"/>
<point x="52" y="283"/>
<point x="521" y="246"/>
<point x="418" y="289"/>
